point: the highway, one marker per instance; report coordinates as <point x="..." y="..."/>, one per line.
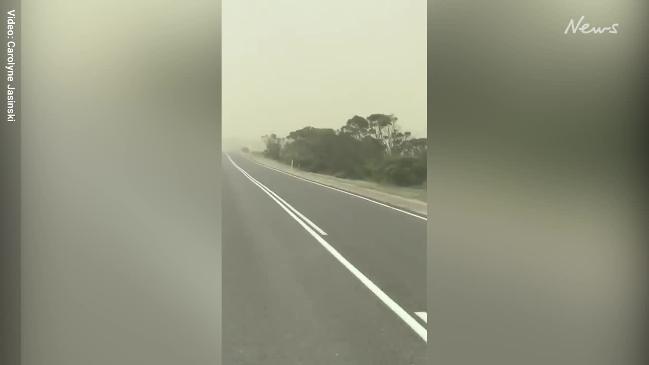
<point x="312" y="275"/>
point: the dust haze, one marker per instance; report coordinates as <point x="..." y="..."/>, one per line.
<point x="289" y="64"/>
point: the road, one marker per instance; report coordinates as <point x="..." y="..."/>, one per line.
<point x="312" y="275"/>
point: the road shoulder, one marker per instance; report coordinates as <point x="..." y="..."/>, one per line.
<point x="408" y="199"/>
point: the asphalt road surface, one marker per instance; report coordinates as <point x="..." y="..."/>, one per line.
<point x="312" y="275"/>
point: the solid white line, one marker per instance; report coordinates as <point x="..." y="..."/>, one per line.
<point x="278" y="199"/>
<point x="281" y="201"/>
<point x="313" y="225"/>
<point x="344" y="192"/>
<point x="423" y="316"/>
<point x="396" y="308"/>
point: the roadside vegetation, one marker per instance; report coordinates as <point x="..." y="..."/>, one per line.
<point x="371" y="148"/>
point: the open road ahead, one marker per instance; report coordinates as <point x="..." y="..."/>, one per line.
<point x="312" y="275"/>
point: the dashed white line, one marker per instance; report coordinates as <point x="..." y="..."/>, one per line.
<point x="423" y="316"/>
<point x="389" y="302"/>
<point x="283" y="203"/>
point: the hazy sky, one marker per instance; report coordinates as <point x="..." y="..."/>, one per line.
<point x="292" y="63"/>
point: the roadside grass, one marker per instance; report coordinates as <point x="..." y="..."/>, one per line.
<point x="410" y="198"/>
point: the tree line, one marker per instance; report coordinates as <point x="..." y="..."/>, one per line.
<point x="373" y="148"/>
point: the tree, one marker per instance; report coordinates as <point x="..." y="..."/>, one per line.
<point x="357" y="127"/>
<point x="311" y="148"/>
<point x="384" y="128"/>
<point x="417" y="147"/>
<point x="371" y="148"/>
<point x="273" y="146"/>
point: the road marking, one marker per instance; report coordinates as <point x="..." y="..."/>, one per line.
<point x="313" y="225"/>
<point x="423" y="316"/>
<point x="283" y="203"/>
<point x="396" y="308"/>
<point x="344" y="192"/>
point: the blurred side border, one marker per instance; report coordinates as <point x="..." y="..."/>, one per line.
<point x="10" y="203"/>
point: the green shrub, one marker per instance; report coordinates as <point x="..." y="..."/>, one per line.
<point x="403" y="171"/>
<point x="364" y="148"/>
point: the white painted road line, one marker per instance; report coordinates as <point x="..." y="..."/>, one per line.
<point x="344" y="192"/>
<point x="423" y="316"/>
<point x="279" y="199"/>
<point x="396" y="308"/>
